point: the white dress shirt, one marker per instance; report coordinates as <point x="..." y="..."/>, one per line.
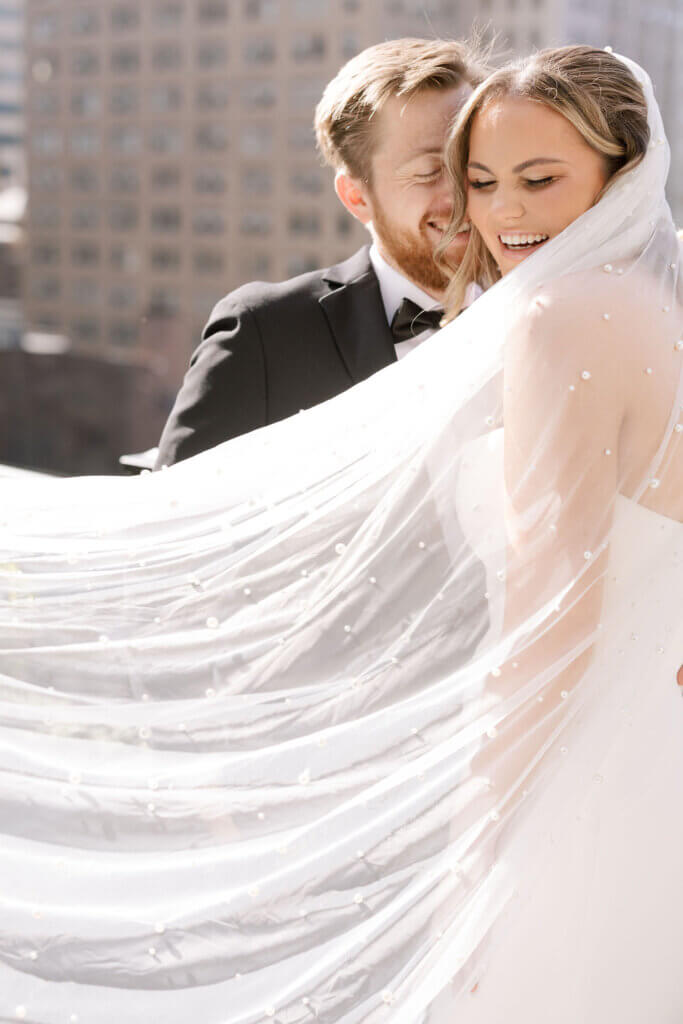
<point x="395" y="286"/>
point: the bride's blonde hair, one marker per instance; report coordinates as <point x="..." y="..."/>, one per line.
<point x="592" y="88"/>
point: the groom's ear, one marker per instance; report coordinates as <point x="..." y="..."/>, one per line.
<point x="354" y="196"/>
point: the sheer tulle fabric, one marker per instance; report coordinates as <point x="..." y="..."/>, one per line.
<point x="284" y="729"/>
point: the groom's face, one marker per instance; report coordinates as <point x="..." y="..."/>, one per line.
<point x="408" y="195"/>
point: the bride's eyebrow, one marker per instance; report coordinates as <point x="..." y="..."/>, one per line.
<point x="523" y="166"/>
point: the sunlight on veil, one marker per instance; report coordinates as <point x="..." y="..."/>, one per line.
<point x="257" y="762"/>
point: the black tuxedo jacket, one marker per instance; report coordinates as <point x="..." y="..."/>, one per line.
<point x="270" y="350"/>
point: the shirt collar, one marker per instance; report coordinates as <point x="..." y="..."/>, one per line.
<point x="395" y="286"/>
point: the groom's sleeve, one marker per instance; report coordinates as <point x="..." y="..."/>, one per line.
<point x="224" y="390"/>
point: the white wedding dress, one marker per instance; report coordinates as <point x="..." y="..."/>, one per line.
<point x="595" y="931"/>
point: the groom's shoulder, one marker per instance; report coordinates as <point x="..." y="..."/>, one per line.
<point x="269" y="300"/>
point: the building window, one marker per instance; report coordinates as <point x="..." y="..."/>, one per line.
<point x="124" y="179"/>
<point x="86" y="102"/>
<point x="123" y="216"/>
<point x="260" y="50"/>
<point x="124" y="99"/>
<point x="213" y="11"/>
<point x="344" y="224"/>
<point x="85" y="62"/>
<point x="125" y="59"/>
<point x="124" y="139"/>
<point x="123" y="333"/>
<point x="47" y="141"/>
<point x="42" y="71"/>
<point x="85" y="292"/>
<point x="256" y="140"/>
<point x="85" y="254"/>
<point x="85" y="21"/>
<point x="302" y="263"/>
<point x="46" y="178"/>
<point x="85" y="331"/>
<point x="165" y="218"/>
<point x="168" y="14"/>
<point x="303" y="181"/>
<point x="84" y="178"/>
<point x="300" y="137"/>
<point x="210" y="181"/>
<point x="46" y="289"/>
<point x="123" y="295"/>
<point x="257" y="181"/>
<point x="213" y="96"/>
<point x="304" y="222"/>
<point x="161" y="258"/>
<point x="256" y="222"/>
<point x="166" y="176"/>
<point x="163" y="301"/>
<point x="211" y="53"/>
<point x="208" y="220"/>
<point x="308" y="9"/>
<point x="164" y="99"/>
<point x="261" y="10"/>
<point x="167" y="57"/>
<point x="308" y="46"/>
<point x="212" y="137"/>
<point x="45" y="27"/>
<point x="165" y="138"/>
<point x="45" y="104"/>
<point x="350" y="44"/>
<point x="304" y="93"/>
<point x="44" y="215"/>
<point x="45" y="254"/>
<point x="85" y="140"/>
<point x="125" y="17"/>
<point x="209" y="261"/>
<point x="259" y="95"/>
<point x="85" y="217"/>
<point x="124" y="258"/>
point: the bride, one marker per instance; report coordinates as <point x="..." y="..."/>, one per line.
<point x="383" y="728"/>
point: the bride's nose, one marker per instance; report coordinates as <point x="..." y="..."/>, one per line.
<point x="506" y="205"/>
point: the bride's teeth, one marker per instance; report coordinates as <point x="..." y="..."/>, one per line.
<point x="522" y="239"/>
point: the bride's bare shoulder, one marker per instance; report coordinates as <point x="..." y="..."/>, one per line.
<point x="605" y="313"/>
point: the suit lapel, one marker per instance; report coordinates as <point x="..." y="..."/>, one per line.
<point x="355" y="312"/>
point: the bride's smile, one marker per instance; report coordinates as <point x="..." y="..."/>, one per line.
<point x="530" y="174"/>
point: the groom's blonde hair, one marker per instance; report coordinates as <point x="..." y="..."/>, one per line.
<point x="592" y="88"/>
<point x="346" y="115"/>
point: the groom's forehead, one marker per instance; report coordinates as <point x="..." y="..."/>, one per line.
<point x="408" y="126"/>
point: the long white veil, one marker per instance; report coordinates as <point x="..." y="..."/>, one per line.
<point x="256" y="759"/>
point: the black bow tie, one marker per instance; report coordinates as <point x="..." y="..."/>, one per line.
<point x="410" y="320"/>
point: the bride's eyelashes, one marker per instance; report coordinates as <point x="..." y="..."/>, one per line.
<point x="531" y="182"/>
<point x="539" y="182"/>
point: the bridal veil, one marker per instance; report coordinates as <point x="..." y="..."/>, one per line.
<point x="258" y="758"/>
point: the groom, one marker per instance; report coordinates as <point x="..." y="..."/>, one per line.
<point x="270" y="350"/>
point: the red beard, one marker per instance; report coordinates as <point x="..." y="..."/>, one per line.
<point x="411" y="252"/>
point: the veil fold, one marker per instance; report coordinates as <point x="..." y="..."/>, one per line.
<point x="277" y="724"/>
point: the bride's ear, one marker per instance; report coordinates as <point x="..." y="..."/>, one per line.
<point x="354" y="196"/>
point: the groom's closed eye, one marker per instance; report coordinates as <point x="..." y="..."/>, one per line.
<point x="428" y="175"/>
